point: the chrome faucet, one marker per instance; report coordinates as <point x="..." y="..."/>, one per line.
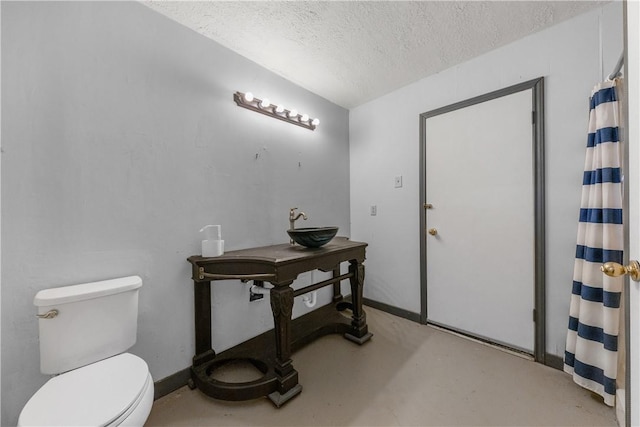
<point x="293" y="217"/>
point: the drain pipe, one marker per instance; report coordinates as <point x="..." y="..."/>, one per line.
<point x="310" y="299"/>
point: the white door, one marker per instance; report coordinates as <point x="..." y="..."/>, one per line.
<point x="633" y="179"/>
<point x="480" y="250"/>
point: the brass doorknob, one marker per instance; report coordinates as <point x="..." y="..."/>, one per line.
<point x="614" y="269"/>
<point x="432" y="231"/>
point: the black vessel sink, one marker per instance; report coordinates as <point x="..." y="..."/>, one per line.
<point x="312" y="237"/>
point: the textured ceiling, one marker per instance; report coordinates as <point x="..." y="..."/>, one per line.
<point x="351" y="52"/>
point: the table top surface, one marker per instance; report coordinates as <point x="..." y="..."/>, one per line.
<point x="282" y="253"/>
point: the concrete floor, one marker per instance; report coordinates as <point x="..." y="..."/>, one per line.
<point x="407" y="375"/>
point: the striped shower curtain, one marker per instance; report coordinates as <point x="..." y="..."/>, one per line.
<point x="591" y="355"/>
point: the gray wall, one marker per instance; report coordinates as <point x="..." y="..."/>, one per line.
<point x="120" y="141"/>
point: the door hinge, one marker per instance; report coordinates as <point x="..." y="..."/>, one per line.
<point x="534" y="315"/>
<point x="533" y="117"/>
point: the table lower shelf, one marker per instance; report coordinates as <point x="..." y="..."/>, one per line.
<point x="260" y="352"/>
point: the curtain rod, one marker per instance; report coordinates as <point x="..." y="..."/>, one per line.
<point x="618" y="67"/>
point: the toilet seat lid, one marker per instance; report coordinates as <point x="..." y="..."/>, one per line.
<point x="94" y="395"/>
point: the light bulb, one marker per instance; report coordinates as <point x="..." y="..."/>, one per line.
<point x="265" y="103"/>
<point x="293" y="114"/>
<point x="248" y="97"/>
<point x="315" y="122"/>
<point x="304" y="118"/>
<point x="280" y="108"/>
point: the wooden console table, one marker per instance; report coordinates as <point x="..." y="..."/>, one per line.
<point x="271" y="352"/>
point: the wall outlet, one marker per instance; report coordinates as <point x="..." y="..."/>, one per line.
<point x="254" y="296"/>
<point x="374" y="210"/>
<point x="398" y="181"/>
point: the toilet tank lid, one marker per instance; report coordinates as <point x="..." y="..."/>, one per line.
<point x="85" y="291"/>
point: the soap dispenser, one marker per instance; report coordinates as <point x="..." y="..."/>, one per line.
<point x="212" y="244"/>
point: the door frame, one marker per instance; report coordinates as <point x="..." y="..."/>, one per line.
<point x="631" y="19"/>
<point x="537" y="117"/>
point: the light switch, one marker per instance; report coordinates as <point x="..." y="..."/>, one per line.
<point x="374" y="210"/>
<point x="398" y="181"/>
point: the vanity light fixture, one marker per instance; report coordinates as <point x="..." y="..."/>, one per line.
<point x="264" y="106"/>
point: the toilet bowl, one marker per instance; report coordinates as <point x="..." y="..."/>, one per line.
<point x="117" y="391"/>
<point x="84" y="341"/>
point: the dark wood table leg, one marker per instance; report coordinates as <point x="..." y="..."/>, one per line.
<point x="337" y="293"/>
<point x="202" y="305"/>
<point x="202" y="321"/>
<point x="282" y="306"/>
<point x="359" y="330"/>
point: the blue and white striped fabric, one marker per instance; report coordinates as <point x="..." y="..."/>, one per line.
<point x="591" y="355"/>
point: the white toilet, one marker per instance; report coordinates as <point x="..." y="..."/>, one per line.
<point x="84" y="332"/>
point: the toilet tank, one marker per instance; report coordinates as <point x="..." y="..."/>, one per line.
<point x="93" y="321"/>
